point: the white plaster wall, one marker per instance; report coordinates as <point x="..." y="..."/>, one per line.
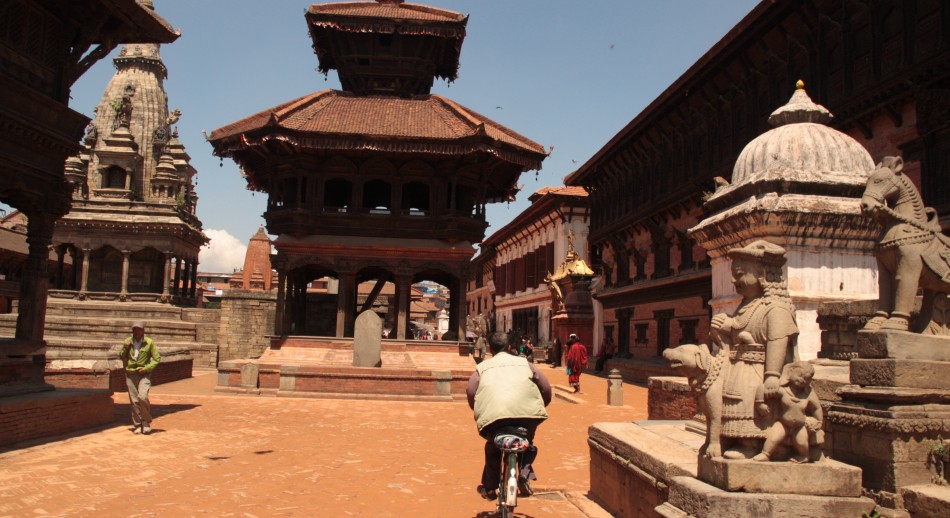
<point x="838" y="273"/>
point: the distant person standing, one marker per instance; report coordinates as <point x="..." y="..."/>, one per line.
<point x="607" y="351"/>
<point x="576" y="361"/>
<point x="139" y="356"/>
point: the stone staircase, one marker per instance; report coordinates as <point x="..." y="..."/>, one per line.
<point x="83" y="340"/>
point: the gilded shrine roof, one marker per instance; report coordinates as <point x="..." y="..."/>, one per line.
<point x="336" y="120"/>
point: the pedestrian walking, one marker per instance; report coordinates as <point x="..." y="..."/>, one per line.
<point x="139" y="357"/>
<point x="576" y="361"/>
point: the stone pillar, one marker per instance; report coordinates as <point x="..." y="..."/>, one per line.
<point x="166" y="276"/>
<point x="176" y="287"/>
<point x="60" y="259"/>
<point x="124" y="291"/>
<point x="614" y="388"/>
<point x="84" y="281"/>
<point x="34" y="284"/>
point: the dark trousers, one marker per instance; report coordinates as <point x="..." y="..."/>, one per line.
<point x="599" y="367"/>
<point x="492" y="469"/>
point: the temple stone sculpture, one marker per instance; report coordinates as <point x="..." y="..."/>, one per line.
<point x="897" y="409"/>
<point x="797" y="185"/>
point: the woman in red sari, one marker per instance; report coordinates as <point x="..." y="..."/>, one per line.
<point x="576" y="361"/>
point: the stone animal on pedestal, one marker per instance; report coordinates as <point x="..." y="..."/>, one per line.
<point x="705" y="375"/>
<point x="912" y="251"/>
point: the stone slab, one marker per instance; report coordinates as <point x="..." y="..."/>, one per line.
<point x="662" y="448"/>
<point x="903" y="345"/>
<point x="696" y="498"/>
<point x="927" y="501"/>
<point x="823" y="478"/>
<point x="901" y="373"/>
<point x="367" y="340"/>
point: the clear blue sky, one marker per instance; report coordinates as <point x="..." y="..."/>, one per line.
<point x="564" y="73"/>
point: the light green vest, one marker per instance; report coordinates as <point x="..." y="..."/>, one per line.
<point x="505" y="390"/>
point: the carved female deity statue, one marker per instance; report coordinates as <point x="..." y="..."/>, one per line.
<point x="759" y="339"/>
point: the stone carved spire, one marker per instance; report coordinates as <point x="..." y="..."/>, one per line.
<point x="800" y="108"/>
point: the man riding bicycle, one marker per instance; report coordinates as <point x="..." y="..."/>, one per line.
<point x="506" y="391"/>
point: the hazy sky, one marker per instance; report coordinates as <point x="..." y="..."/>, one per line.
<point x="564" y="73"/>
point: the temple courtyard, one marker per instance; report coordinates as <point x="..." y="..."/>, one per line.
<point x="217" y="454"/>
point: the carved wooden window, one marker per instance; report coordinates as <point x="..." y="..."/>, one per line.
<point x="338" y="195"/>
<point x="641" y="330"/>
<point x="114" y="178"/>
<point x="688" y="330"/>
<point x="377" y="197"/>
<point x="531" y="270"/>
<point x="415" y="198"/>
<point x="500" y="280"/>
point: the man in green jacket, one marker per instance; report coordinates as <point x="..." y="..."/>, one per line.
<point x="139" y="357"/>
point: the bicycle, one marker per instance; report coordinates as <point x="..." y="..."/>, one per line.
<point x="511" y="443"/>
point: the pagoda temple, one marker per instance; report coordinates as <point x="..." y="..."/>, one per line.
<point x="381" y="181"/>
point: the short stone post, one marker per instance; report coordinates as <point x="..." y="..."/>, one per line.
<point x="614" y="388"/>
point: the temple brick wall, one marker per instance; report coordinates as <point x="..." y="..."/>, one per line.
<point x="246" y="319"/>
<point x="670" y="398"/>
<point x="53" y="413"/>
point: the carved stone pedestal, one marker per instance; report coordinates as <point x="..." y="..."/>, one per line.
<point x="897" y="405"/>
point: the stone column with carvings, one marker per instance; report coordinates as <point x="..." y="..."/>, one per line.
<point x="84" y="280"/>
<point x="193" y="292"/>
<point x="124" y="291"/>
<point x="166" y="276"/>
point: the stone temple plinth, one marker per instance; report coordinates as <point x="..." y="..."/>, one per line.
<point x="797" y="185"/>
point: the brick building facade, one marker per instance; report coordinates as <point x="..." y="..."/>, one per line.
<point x="880" y="67"/>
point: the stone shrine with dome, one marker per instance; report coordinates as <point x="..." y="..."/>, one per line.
<point x="799" y="186"/>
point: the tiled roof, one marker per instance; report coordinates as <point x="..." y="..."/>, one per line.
<point x="564" y="190"/>
<point x="332" y="119"/>
<point x="395" y="10"/>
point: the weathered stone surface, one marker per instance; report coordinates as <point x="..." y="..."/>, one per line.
<point x="927" y="501"/>
<point x="367" y="340"/>
<point x="696" y="498"/>
<point x="903" y="345"/>
<point x="249" y="372"/>
<point x="823" y="478"/>
<point x="900" y="373"/>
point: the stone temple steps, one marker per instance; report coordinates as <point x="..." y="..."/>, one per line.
<point x="92" y="329"/>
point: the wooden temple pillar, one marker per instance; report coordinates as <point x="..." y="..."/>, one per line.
<point x="34" y="283"/>
<point x="403" y="301"/>
<point x="346" y="299"/>
<point x="166" y="276"/>
<point x="280" y="324"/>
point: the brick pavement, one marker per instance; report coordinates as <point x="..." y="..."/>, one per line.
<point x="226" y="455"/>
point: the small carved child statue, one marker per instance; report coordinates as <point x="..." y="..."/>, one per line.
<point x="796" y="417"/>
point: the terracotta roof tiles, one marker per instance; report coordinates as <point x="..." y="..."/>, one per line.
<point x="316" y="119"/>
<point x="401" y="11"/>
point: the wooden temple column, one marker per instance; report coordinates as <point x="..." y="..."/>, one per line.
<point x="193" y="293"/>
<point x="403" y="301"/>
<point x="34" y="283"/>
<point x="124" y="291"/>
<point x="623" y="331"/>
<point x="280" y="327"/>
<point x="346" y="299"/>
<point x="457" y="308"/>
<point x="166" y="276"/>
